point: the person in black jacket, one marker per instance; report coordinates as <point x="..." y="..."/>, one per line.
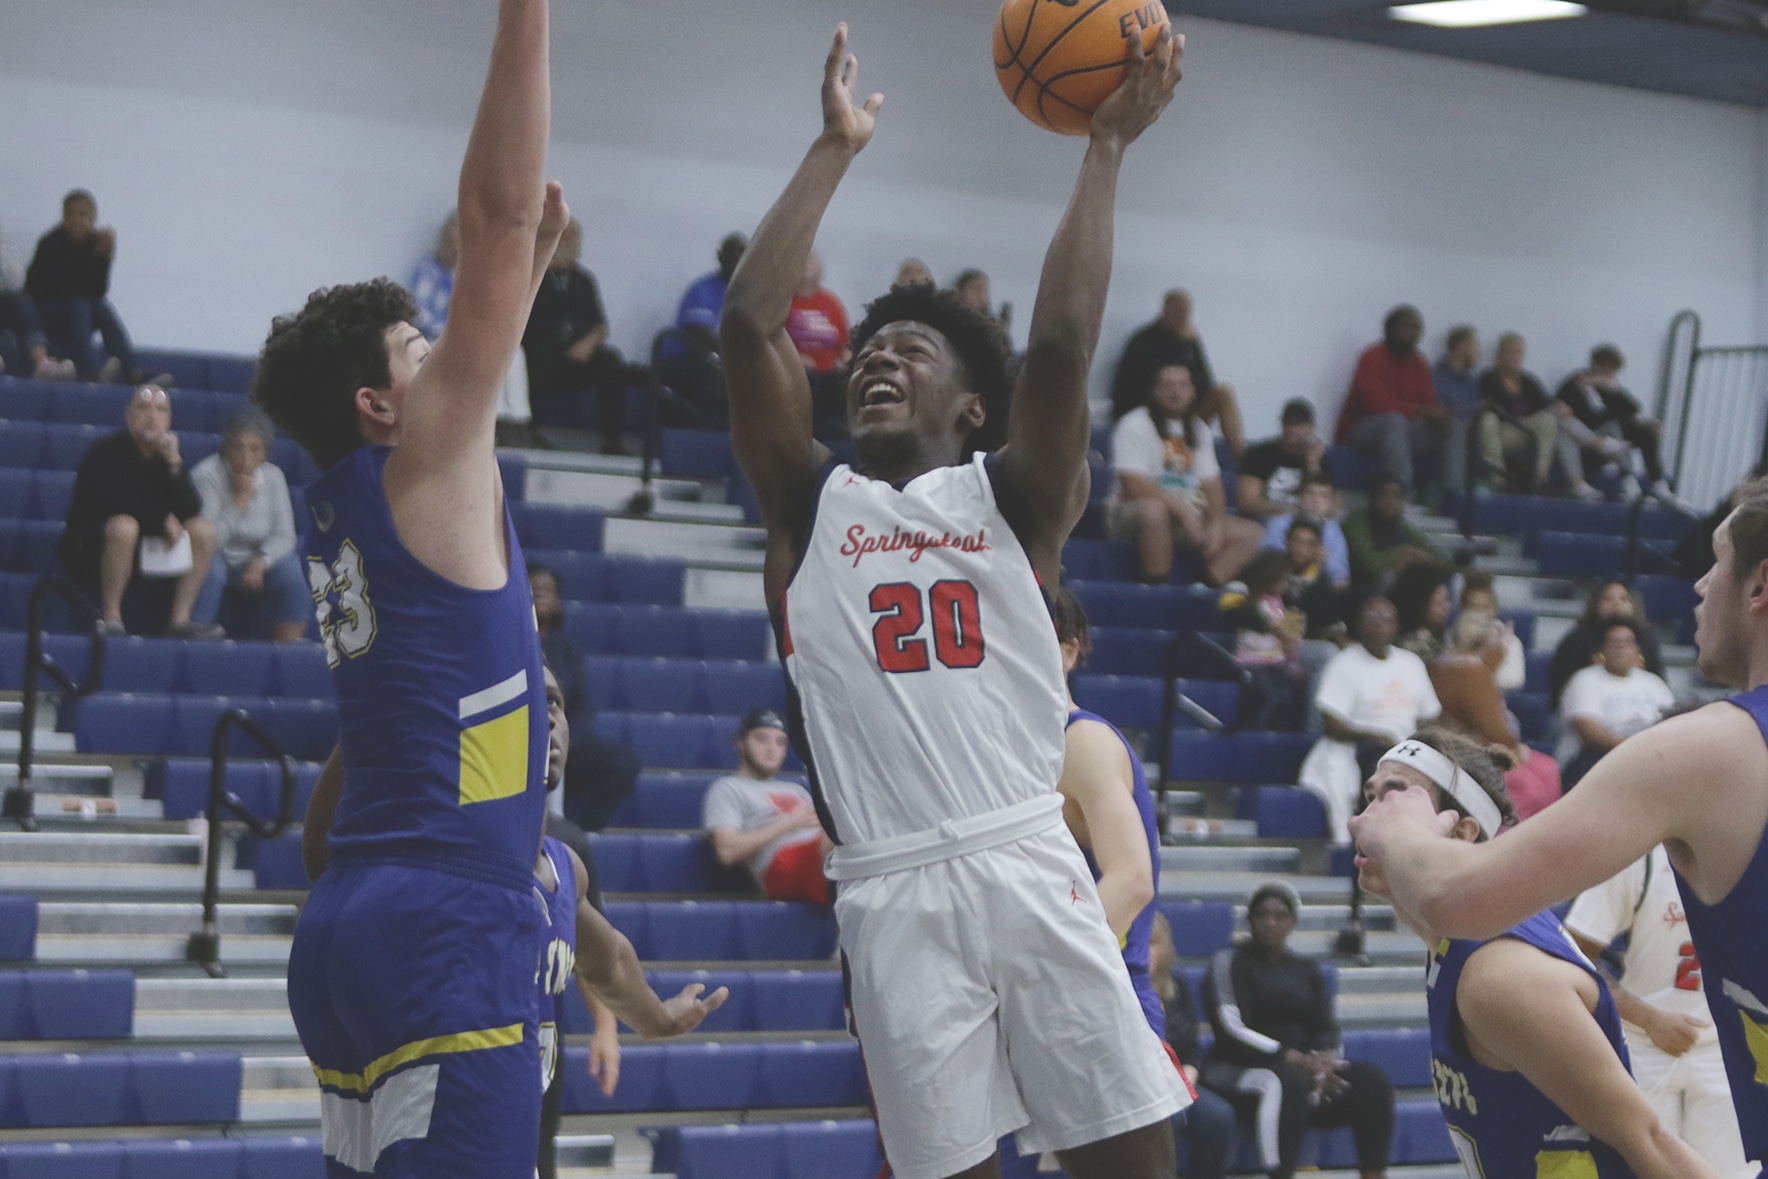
<point x="1608" y="602"/>
<point x="1276" y="1045"/>
<point x="1608" y="423"/>
<point x="132" y="489"/>
<point x="69" y="280"/>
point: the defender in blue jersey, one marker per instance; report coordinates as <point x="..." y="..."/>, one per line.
<point x="1527" y="1057"/>
<point x="1696" y="783"/>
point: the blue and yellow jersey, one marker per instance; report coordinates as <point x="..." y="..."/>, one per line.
<point x="558" y="952"/>
<point x="1502" y="1126"/>
<point x="1728" y="940"/>
<point x="441" y="697"/>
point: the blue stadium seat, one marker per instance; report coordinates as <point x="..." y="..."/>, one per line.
<point x="1288" y="812"/>
<point x="665" y="800"/>
<point x="738" y="1012"/>
<point x="302" y="671"/>
<point x="22" y="443"/>
<point x="15" y="1017"/>
<point x="277" y="863"/>
<point x="40" y="545"/>
<point x="92" y="405"/>
<point x="1402" y="1053"/>
<point x="180" y="1158"/>
<point x="1669" y="600"/>
<point x="602" y="676"/>
<point x="1125" y="701"/>
<point x="754" y="1151"/>
<point x="1576" y="554"/>
<point x="229" y="668"/>
<point x="230" y="374"/>
<point x="655" y="631"/>
<point x="306" y="729"/>
<point x="629" y="917"/>
<point x="135" y="664"/>
<point x="182" y="786"/>
<point x="1534" y="715"/>
<point x="179" y="1088"/>
<point x="640" y="1088"/>
<point x="125" y="722"/>
<point x="72" y="1089"/>
<point x="653" y="580"/>
<point x="675" y="740"/>
<point x="53" y="495"/>
<point x="556" y="526"/>
<point x="735" y="686"/>
<point x="672" y="862"/>
<point x="697" y="454"/>
<point x="64" y="1160"/>
<point x="18" y="927"/>
<point x="287" y="1158"/>
<point x="816" y="1150"/>
<point x="711" y="1075"/>
<point x="1220" y="698"/>
<point x="659" y="685"/>
<point x="1538" y="663"/>
<point x="12" y="551"/>
<point x="797" y="1000"/>
<point x="1200" y="928"/>
<point x="199" y="409"/>
<point x="17" y="488"/>
<point x="590" y="626"/>
<point x="1351" y="468"/>
<point x="1163" y="607"/>
<point x="68" y="651"/>
<point x="693" y="931"/>
<point x="66" y="445"/>
<point x="25" y="398"/>
<point x="616" y="858"/>
<point x="732" y="634"/>
<point x="80" y="1004"/>
<point x="813" y="1072"/>
<point x="190" y="370"/>
<point x="1128" y="651"/>
<point x="784" y="931"/>
<point x="1099" y="560"/>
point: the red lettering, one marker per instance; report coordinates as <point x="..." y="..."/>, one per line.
<point x="1688" y="969"/>
<point x="859" y="545"/>
<point x="900" y="605"/>
<point x="957" y="626"/>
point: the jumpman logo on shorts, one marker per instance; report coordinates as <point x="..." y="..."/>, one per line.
<point x="1073" y="892"/>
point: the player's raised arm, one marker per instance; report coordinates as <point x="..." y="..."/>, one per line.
<point x="769" y="393"/>
<point x="510" y="220"/>
<point x="1045" y="456"/>
<point x="1618" y="813"/>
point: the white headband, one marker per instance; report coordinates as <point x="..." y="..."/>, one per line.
<point x="1469" y="795"/>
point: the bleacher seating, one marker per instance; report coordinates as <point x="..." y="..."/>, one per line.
<point x="66" y="1004"/>
<point x="119" y="1089"/>
<point x="175" y="1158"/>
<point x="18" y="927"/>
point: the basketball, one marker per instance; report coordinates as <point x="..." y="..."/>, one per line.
<point x="1057" y="60"/>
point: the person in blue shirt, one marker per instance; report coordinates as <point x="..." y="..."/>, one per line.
<point x="1527" y="1056"/>
<point x="687" y="355"/>
<point x="1457" y="385"/>
<point x="703" y="304"/>
<point x="1317" y="501"/>
<point x="1697" y="783"/>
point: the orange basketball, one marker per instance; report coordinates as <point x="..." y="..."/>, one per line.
<point x="1058" y="60"/>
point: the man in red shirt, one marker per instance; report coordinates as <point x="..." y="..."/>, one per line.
<point x="1392" y="410"/>
<point x="817" y="324"/>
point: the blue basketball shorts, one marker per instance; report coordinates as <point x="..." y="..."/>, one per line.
<point x="413" y="990"/>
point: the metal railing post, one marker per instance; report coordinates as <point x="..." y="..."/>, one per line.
<point x="18" y="804"/>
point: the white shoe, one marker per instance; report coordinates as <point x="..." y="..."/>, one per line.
<point x="1630" y="488"/>
<point x="1661" y="490"/>
<point x="1587" y="493"/>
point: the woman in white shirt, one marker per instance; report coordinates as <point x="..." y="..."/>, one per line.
<point x="1608" y="702"/>
<point x="247" y="499"/>
<point x="1169" y="484"/>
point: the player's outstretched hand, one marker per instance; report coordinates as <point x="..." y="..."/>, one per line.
<point x="1147" y="88"/>
<point x="1398" y="810"/>
<point x="687" y="1009"/>
<point x="1675" y="1033"/>
<point x="843" y="122"/>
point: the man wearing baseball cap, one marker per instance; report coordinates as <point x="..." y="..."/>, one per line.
<point x="765" y="821"/>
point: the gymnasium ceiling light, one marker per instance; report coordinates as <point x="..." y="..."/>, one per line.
<point x="1462" y="14"/>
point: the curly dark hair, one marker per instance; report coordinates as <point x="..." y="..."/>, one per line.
<point x="1485" y="764"/>
<point x="314" y="362"/>
<point x="980" y="345"/>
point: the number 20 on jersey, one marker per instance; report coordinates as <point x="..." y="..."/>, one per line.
<point x="902" y="612"/>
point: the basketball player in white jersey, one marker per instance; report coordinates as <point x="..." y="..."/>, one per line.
<point x="1698" y="784"/>
<point x="1670" y="1036"/>
<point x="927" y="690"/>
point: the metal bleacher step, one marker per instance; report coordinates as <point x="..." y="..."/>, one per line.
<point x="101" y="863"/>
<point x="1385" y="947"/>
<point x="1224" y="885"/>
<point x="1332" y="917"/>
<point x="1228" y="858"/>
<point x="150" y="936"/>
<point x="1185" y="829"/>
<point x="608" y="490"/>
<point x="717" y="588"/>
<point x="209" y="1010"/>
<point x="572" y="460"/>
<point x="728" y="546"/>
<point x="278" y="1090"/>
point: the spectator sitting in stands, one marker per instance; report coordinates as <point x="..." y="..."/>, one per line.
<point x="1479" y="592"/>
<point x="1381" y="541"/>
<point x="1392" y="411"/>
<point x="688" y="360"/>
<point x="971" y="288"/>
<point x="566" y="343"/>
<point x="1316" y="501"/>
<point x="1371" y="695"/>
<point x="1172" y="338"/>
<point x="912" y="273"/>
<point x="1420" y="594"/>
<point x="1272" y="472"/>
<point x="1277" y="1043"/>
<point x="1209" y="1124"/>
<point x="1267" y="642"/>
<point x="817" y="324"/>
<point x="602" y="771"/>
<point x="1457" y="387"/>
<point x="1309" y="591"/>
<point x="134" y="499"/>
<point x="1608" y="702"/>
<point x="24" y="349"/>
<point x="1583" y="643"/>
<point x="69" y="279"/>
<point x="768" y="822"/>
<point x="1169" y="484"/>
<point x="1608" y="425"/>
<point x="1518" y="431"/>
<point x="246" y="500"/>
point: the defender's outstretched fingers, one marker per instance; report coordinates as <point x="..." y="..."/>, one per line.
<point x="832" y="64"/>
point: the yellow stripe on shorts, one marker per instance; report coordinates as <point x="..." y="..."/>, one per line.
<point x="494" y="758"/>
<point x="1756" y="1037"/>
<point x="363" y="1081"/>
<point x="1565" y="1164"/>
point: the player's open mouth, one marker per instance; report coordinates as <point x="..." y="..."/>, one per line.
<point x="881" y="393"/>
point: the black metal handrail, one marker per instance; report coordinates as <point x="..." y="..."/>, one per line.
<point x="1174" y="701"/>
<point x="18" y="804"/>
<point x="1634" y="549"/>
<point x="204" y="946"/>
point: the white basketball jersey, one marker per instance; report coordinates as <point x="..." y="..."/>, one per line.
<point x="923" y="655"/>
<point x="1660" y="964"/>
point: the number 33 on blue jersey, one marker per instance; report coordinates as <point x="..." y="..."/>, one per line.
<point x="347" y="625"/>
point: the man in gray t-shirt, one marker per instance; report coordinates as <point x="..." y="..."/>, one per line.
<point x="767" y="821"/>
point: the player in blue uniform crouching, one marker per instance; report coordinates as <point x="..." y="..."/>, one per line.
<point x="1526" y="1051"/>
